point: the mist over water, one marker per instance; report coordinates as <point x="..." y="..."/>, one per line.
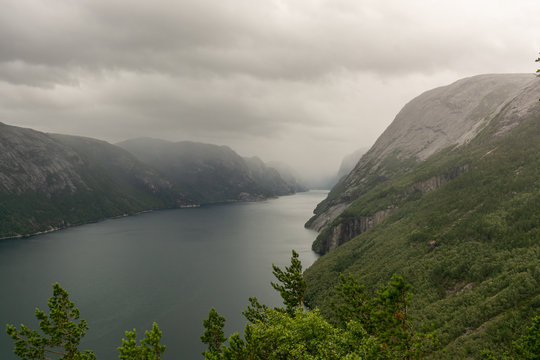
<point x="168" y="266"/>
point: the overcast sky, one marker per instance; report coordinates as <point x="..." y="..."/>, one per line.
<point x="304" y="82"/>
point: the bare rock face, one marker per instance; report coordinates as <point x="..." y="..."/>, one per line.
<point x="348" y="229"/>
<point x="448" y="115"/>
<point x="437" y="119"/>
<point x="33" y="161"/>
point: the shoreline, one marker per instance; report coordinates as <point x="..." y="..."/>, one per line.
<point x="187" y="206"/>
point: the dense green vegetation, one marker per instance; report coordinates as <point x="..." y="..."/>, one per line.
<point x="526" y="347"/>
<point x="377" y="327"/>
<point x="32" y="212"/>
<point x="366" y="326"/>
<point x="470" y="248"/>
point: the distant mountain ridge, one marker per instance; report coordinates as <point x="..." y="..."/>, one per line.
<point x="51" y="181"/>
<point x="349" y="162"/>
<point x="288" y="174"/>
<point x="211" y="173"/>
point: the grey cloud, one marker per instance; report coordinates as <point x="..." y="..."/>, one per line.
<point x="257" y="38"/>
<point x="21" y="73"/>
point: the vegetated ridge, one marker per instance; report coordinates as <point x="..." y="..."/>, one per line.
<point x="447" y="116"/>
<point x="51" y="181"/>
<point x="210" y="173"/>
<point x="449" y="198"/>
<point x="48" y="182"/>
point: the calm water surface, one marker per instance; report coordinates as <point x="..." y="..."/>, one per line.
<point x="168" y="266"/>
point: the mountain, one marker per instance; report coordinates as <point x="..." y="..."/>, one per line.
<point x="440" y="118"/>
<point x="329" y="180"/>
<point x="449" y="198"/>
<point x="349" y="162"/>
<point x="288" y="175"/>
<point x="209" y="173"/>
<point x="269" y="178"/>
<point x="50" y="181"/>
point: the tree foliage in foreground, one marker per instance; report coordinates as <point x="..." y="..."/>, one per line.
<point x="148" y="349"/>
<point x="62" y="331"/>
<point x="377" y="327"/>
<point x="293" y="285"/>
<point x="369" y="327"/>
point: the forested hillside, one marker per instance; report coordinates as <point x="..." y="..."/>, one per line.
<point x="461" y="225"/>
<point x="210" y="173"/>
<point x="52" y="181"/>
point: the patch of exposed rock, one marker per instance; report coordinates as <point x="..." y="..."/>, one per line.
<point x="31" y="161"/>
<point x="351" y="226"/>
<point x="348" y="229"/>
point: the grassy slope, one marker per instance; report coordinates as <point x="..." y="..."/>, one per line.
<point x="471" y="248"/>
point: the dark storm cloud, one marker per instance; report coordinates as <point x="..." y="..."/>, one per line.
<point x="281" y="79"/>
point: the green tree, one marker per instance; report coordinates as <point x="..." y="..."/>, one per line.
<point x="352" y="303"/>
<point x="527" y="347"/>
<point x="371" y="328"/>
<point x="213" y="334"/>
<point x="393" y="325"/>
<point x="384" y="317"/>
<point x="149" y="348"/>
<point x="293" y="285"/>
<point x="61" y="332"/>
<point x="255" y="311"/>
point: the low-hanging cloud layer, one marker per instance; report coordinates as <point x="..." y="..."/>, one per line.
<point x="303" y="81"/>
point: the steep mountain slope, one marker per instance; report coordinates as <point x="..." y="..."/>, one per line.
<point x="209" y="173"/>
<point x="268" y="178"/>
<point x="459" y="218"/>
<point x="446" y="116"/>
<point x="349" y="162"/>
<point x="289" y="175"/>
<point x="52" y="181"/>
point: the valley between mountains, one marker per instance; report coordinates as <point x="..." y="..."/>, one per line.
<point x="448" y="197"/>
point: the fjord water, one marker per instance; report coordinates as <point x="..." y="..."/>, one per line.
<point x="167" y="266"/>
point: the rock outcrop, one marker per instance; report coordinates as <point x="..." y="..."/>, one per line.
<point x="31" y="161"/>
<point x="347" y="229"/>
